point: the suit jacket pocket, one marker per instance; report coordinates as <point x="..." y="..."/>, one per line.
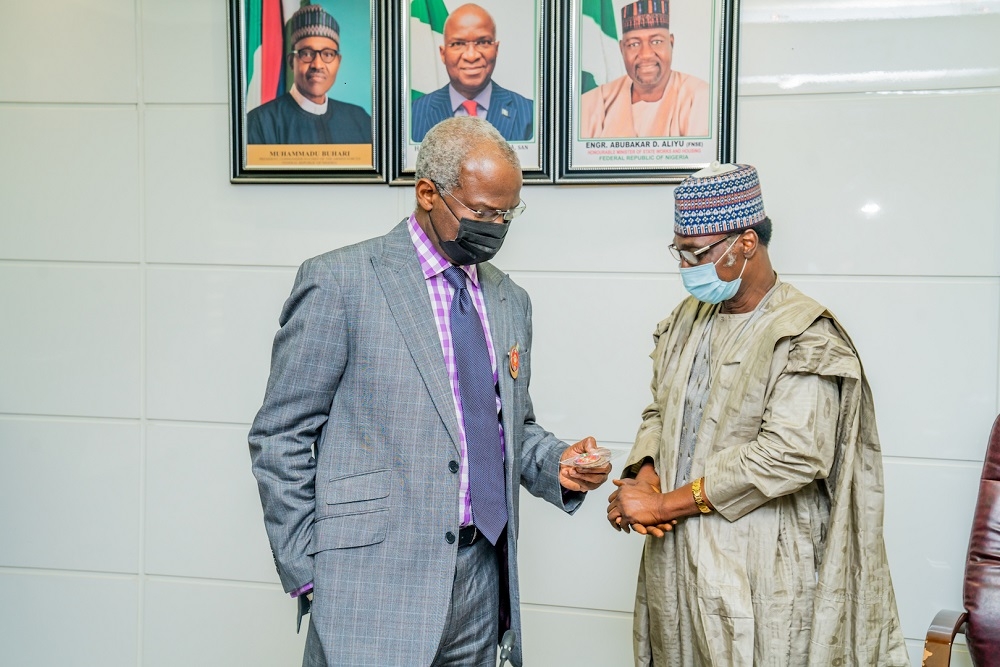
<point x="349" y="530"/>
<point x="355" y="494"/>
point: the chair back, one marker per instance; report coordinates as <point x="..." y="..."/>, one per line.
<point x="982" y="565"/>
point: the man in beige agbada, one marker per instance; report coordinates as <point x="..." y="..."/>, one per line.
<point x="757" y="473"/>
<point x="652" y="99"/>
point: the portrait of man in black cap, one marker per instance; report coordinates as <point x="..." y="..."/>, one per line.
<point x="306" y="114"/>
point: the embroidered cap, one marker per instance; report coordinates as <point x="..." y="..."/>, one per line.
<point x="314" y="21"/>
<point x="646" y="14"/>
<point x="717" y="203"/>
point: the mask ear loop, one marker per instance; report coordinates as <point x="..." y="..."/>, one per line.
<point x="745" y="260"/>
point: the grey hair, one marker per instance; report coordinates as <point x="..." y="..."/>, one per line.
<point x="447" y="145"/>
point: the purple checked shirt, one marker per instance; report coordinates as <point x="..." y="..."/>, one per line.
<point x="433" y="265"/>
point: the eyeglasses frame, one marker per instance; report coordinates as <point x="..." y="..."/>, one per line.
<point x="295" y="53"/>
<point x="696" y="255"/>
<point x="507" y="215"/>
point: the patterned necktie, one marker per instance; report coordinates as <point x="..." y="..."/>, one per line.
<point x="479" y="411"/>
<point x="471" y="107"/>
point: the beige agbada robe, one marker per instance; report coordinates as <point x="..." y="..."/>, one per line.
<point x="791" y="569"/>
<point x="606" y="111"/>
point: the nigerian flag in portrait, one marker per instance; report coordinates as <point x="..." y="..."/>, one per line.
<point x="600" y="57"/>
<point x="427" y="19"/>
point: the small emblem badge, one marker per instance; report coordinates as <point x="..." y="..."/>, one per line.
<point x="515" y="361"/>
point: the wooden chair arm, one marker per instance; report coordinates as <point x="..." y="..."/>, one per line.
<point x="940" y="636"/>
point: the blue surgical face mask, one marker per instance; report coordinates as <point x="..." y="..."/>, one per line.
<point x="704" y="284"/>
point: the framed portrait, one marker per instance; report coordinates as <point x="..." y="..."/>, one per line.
<point x="649" y="89"/>
<point x="490" y="59"/>
<point x="305" y="91"/>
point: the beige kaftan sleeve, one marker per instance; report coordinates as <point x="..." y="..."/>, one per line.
<point x="647" y="440"/>
<point x="797" y="439"/>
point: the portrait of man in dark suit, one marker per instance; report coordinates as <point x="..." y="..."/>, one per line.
<point x="469" y="54"/>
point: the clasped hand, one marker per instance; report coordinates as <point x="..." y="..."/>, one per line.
<point x="637" y="504"/>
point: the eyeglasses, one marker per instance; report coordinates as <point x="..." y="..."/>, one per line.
<point x="489" y="215"/>
<point x="694" y="256"/>
<point x="309" y="55"/>
<point x="480" y="45"/>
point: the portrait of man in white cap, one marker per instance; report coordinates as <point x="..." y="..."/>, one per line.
<point x="306" y="114"/>
<point x="652" y="99"/>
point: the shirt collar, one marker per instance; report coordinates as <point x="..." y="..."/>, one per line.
<point x="431" y="262"/>
<point x="482" y="99"/>
<point x="308" y="105"/>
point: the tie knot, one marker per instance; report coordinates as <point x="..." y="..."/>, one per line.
<point x="455" y="277"/>
<point x="470" y="107"/>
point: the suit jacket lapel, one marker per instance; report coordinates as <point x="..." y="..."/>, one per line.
<point x="405" y="290"/>
<point x="500" y="316"/>
<point x="440" y="106"/>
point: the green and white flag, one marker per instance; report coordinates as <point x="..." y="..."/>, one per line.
<point x="600" y="58"/>
<point x="265" y="47"/>
<point x="427" y="73"/>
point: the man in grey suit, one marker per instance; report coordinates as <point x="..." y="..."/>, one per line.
<point x="469" y="54"/>
<point x="369" y="448"/>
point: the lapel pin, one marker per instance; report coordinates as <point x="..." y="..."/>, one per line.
<point x="515" y="361"/>
<point x="503" y="112"/>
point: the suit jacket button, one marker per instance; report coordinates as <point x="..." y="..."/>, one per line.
<point x="450" y="537"/>
<point x="453" y="466"/>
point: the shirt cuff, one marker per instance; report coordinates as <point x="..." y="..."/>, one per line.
<point x="302" y="591"/>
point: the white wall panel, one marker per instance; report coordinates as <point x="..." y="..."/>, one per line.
<point x="799" y="11"/>
<point x="600" y="229"/>
<point x="590" y="359"/>
<point x="203" y="516"/>
<point x="927" y="539"/>
<point x="558" y="551"/>
<point x="82" y="621"/>
<point x="68" y="51"/>
<point x="850" y="53"/>
<point x="864" y="184"/>
<point x="75" y="349"/>
<point x="181" y="39"/>
<point x="555" y="636"/>
<point x="203" y="624"/>
<point x="70" y="490"/>
<point x="935" y="384"/>
<point x="195" y="215"/>
<point x="209" y="341"/>
<point x="76" y="204"/>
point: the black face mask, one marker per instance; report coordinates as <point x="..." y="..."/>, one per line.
<point x="476" y="241"/>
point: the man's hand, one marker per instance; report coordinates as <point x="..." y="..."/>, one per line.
<point x="637" y="504"/>
<point x="646" y="475"/>
<point x="582" y="479"/>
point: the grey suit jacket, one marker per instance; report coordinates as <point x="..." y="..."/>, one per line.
<point x="357" y="370"/>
